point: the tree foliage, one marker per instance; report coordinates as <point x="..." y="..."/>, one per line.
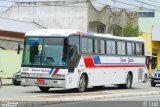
<point x="131" y="31"/>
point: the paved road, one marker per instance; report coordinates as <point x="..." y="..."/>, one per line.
<point x="136" y="98"/>
<point x="138" y="101"/>
<point x="19" y="93"/>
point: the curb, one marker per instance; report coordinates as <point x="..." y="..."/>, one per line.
<point x="65" y="99"/>
<point x="6" y="82"/>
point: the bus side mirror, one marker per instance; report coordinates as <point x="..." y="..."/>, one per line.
<point x="19" y="48"/>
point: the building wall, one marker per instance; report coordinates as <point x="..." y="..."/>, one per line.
<point x="149" y="47"/>
<point x="146" y="23"/>
<point x="10" y="63"/>
<point x="69" y="14"/>
<point x="51" y="14"/>
<point x="109" y="16"/>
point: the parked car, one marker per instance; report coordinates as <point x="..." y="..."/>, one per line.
<point x="16" y="78"/>
<point x="145" y="74"/>
<point x="155" y="77"/>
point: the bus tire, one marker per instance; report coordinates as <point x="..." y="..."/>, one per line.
<point x="82" y="83"/>
<point x="44" y="89"/>
<point x="128" y="82"/>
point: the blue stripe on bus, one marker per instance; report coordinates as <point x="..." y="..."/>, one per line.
<point x="51" y="71"/>
<point x="96" y="60"/>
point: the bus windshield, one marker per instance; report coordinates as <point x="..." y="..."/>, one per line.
<point x="45" y="51"/>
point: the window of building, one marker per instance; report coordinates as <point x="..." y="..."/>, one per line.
<point x="100" y="29"/>
<point x="146" y="14"/>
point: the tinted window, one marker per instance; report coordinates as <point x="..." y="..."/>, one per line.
<point x="84" y="45"/>
<point x="121" y="48"/>
<point x="90" y="45"/>
<point x="110" y="47"/>
<point x="139" y="49"/>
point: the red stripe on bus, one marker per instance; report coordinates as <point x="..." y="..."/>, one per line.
<point x="90" y="64"/>
<point x="88" y="61"/>
<point x="56" y="71"/>
<point x="119" y="66"/>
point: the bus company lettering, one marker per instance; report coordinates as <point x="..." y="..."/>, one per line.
<point x="123" y="60"/>
<point x="44" y="70"/>
<point x="36" y="70"/>
<point x="130" y="60"/>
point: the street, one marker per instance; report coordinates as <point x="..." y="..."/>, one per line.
<point x="19" y="93"/>
<point x="141" y="101"/>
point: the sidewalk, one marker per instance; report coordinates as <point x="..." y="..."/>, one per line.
<point x="6" y="82"/>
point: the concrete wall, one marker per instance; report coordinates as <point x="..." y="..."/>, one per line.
<point x="109" y="16"/>
<point x="10" y="63"/>
<point x="51" y="14"/>
<point x="146" y="23"/>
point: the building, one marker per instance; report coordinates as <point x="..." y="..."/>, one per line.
<point x="11" y="33"/>
<point x="83" y="15"/>
<point x="149" y="24"/>
<point x="63" y="14"/>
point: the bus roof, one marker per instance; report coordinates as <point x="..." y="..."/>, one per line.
<point x="67" y="32"/>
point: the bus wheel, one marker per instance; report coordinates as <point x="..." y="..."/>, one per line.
<point x="44" y="89"/>
<point x="82" y="83"/>
<point x="129" y="82"/>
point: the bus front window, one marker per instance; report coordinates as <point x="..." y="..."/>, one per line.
<point x="46" y="51"/>
<point x="55" y="51"/>
<point x="32" y="51"/>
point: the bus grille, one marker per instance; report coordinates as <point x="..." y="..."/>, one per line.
<point x="140" y="73"/>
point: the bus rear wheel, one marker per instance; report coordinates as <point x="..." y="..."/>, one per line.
<point x="128" y="84"/>
<point x="82" y="83"/>
<point x="44" y="89"/>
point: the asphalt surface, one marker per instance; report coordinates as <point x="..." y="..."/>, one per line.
<point x="19" y="93"/>
<point x="138" y="101"/>
<point x="32" y="97"/>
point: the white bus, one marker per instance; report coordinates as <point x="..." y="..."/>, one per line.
<point x="60" y="58"/>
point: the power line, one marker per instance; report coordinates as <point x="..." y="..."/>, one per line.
<point x="7" y="1"/>
<point x="68" y="5"/>
<point x="128" y="4"/>
<point x="154" y="1"/>
<point x="147" y="4"/>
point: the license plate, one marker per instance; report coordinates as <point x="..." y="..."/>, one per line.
<point x="40" y="81"/>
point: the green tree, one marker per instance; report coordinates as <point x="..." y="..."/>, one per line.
<point x="131" y="31"/>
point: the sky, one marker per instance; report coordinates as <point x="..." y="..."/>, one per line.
<point x="126" y="4"/>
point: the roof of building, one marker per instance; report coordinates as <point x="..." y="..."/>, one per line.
<point x="17" y="26"/>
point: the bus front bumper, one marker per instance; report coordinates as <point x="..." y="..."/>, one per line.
<point x="45" y="82"/>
